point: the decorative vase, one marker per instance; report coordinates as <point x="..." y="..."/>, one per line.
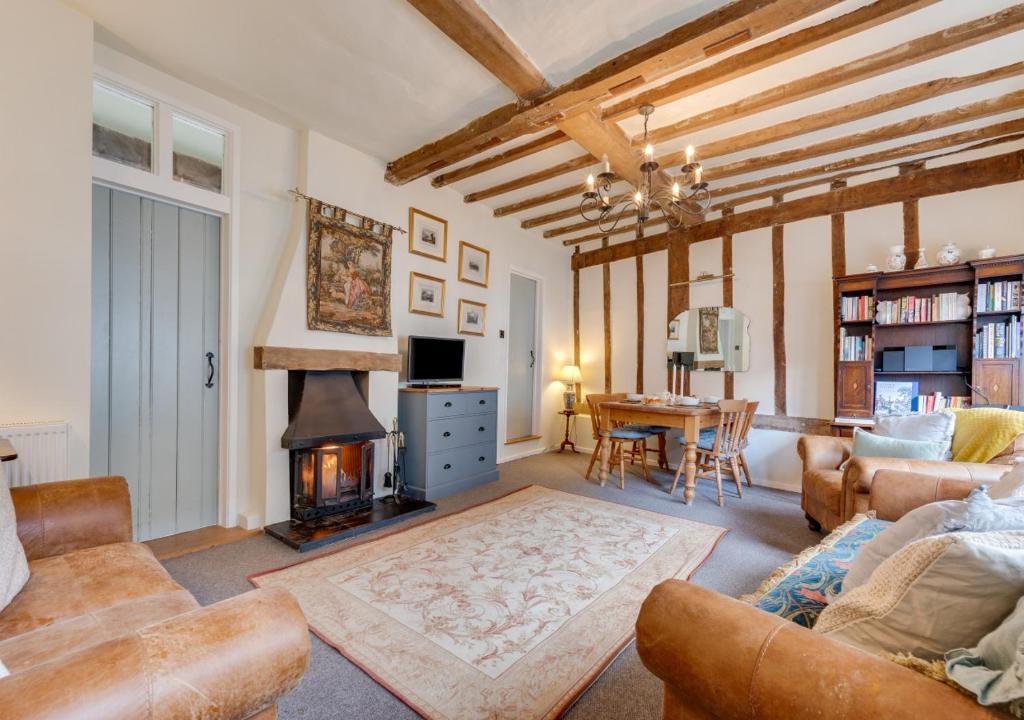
<point x="871" y="268"/>
<point x="922" y="260"/>
<point x="949" y="254"/>
<point x="986" y="252"/>
<point x="896" y="260"/>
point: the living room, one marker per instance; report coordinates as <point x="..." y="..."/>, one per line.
<point x="404" y="359"/>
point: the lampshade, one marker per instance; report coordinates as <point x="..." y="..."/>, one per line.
<point x="571" y="375"/>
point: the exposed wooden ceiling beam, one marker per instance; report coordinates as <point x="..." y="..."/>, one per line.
<point x="474" y="31"/>
<point x="681" y="47"/>
<point x="886" y="61"/>
<point x="796" y="43"/>
<point x="576" y="163"/>
<point x="996" y="170"/>
<point x="998" y="132"/>
<point x="773" y="51"/>
<point x="922" y="123"/>
<point x="545" y="141"/>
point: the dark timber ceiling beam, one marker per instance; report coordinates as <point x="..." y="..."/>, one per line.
<point x="737" y="22"/>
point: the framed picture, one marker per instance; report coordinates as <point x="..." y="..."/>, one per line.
<point x="348" y="272"/>
<point x="673" y="330"/>
<point x="428" y="235"/>
<point x="895" y="397"/>
<point x="474" y="264"/>
<point x="426" y="294"/>
<point x="472" y="317"/>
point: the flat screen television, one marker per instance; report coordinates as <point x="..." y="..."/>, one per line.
<point x="435" y="360"/>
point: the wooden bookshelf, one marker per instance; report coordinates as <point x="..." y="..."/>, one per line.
<point x="999" y="380"/>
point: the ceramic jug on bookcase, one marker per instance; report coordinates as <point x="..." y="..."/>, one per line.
<point x="896" y="260"/>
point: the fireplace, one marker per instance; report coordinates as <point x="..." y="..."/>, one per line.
<point x="330" y="442"/>
<point x="331" y="479"/>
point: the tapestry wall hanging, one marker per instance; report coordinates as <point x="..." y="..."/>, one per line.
<point x="348" y="272"/>
<point x="708" y="330"/>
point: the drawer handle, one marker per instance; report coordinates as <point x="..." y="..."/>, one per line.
<point x="447" y="466"/>
<point x="481" y="428"/>
<point x="447" y="434"/>
<point x="448" y="404"/>
<point x="481" y="458"/>
<point x="483" y="402"/>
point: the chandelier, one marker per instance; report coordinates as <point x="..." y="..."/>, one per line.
<point x="600" y="206"/>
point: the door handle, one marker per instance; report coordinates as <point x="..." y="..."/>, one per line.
<point x="533" y="359"/>
<point x="209" y="364"/>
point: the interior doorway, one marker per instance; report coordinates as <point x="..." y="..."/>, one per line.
<point x="155" y="358"/>
<point x="521" y="396"/>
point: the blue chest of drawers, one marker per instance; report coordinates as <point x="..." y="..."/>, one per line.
<point x="451" y="439"/>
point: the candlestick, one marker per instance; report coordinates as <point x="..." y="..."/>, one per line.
<point x="649" y="152"/>
<point x="607" y="165"/>
<point x="639" y="198"/>
<point x="590" y="183"/>
<point x="675" y="191"/>
<point x="697" y="173"/>
<point x="689" y="154"/>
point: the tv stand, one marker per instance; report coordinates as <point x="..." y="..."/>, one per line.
<point x="429" y="386"/>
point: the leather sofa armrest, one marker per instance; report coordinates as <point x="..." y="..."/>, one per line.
<point x="721" y="658"/>
<point x="228" y="661"/>
<point x="895" y="493"/>
<point x="822" y="452"/>
<point x="58" y="517"/>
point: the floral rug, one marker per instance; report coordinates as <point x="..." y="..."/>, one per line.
<point x="509" y="609"/>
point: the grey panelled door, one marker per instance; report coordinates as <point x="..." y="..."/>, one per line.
<point x="522" y="357"/>
<point x="155" y="369"/>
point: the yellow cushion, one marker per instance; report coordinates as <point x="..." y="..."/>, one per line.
<point x="982" y="433"/>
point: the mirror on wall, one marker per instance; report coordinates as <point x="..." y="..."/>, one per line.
<point x="718" y="337"/>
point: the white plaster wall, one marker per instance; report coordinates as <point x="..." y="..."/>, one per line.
<point x="45" y="216"/>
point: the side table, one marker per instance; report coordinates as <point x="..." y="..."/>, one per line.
<point x="569" y="414"/>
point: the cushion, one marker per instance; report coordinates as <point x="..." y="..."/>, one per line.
<point x="13" y="565"/>
<point x="800" y="589"/>
<point x="983" y="433"/>
<point x="994" y="670"/>
<point x="866" y="444"/>
<point x="623" y="433"/>
<point x="940" y="592"/>
<point x="1010" y="485"/>
<point x="933" y="427"/>
<point x="978" y="513"/>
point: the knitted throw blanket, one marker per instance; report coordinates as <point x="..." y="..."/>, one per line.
<point x="982" y="433"/>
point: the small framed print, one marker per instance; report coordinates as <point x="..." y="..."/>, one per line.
<point x="428" y="235"/>
<point x="673" y="330"/>
<point x="426" y="295"/>
<point x="472" y="317"/>
<point x="474" y="264"/>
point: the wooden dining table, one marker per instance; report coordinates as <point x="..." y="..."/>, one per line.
<point x="690" y="419"/>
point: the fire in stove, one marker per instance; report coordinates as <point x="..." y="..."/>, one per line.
<point x="332" y="479"/>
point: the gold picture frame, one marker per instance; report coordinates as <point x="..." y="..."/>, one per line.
<point x="472" y="317"/>
<point x="469" y="260"/>
<point x="424" y="230"/>
<point x="419" y="302"/>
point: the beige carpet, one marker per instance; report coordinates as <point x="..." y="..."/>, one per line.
<point x="509" y="609"/>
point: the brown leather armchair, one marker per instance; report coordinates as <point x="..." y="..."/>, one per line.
<point x="772" y="669"/>
<point x="831" y="496"/>
<point x="102" y="631"/>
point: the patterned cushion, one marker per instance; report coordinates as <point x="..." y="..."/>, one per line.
<point x="627" y="434"/>
<point x="706" y="441"/>
<point x="801" y="589"/>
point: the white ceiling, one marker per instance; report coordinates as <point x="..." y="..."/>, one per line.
<point x="380" y="77"/>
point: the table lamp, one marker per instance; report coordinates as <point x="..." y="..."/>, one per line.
<point x="571" y="377"/>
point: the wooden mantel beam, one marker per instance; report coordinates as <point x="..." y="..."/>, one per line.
<point x="739" y="21"/>
<point x="995" y="170"/>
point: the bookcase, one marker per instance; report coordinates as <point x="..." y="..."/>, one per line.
<point x="878" y="315"/>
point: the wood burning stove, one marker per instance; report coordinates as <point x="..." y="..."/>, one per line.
<point x="331" y="479"/>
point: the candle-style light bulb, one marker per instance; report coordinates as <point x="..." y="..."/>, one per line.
<point x="590" y="182"/>
<point x="697" y="173"/>
<point x="689" y="154"/>
<point x="639" y="197"/>
<point x="675" y="191"/>
<point x="649" y="152"/>
<point x="607" y="165"/>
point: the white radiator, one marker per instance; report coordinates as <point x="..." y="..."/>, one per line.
<point x="42" y="452"/>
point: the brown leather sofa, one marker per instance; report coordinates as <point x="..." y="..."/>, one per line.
<point x="768" y="668"/>
<point x="102" y="631"/>
<point x="831" y="496"/>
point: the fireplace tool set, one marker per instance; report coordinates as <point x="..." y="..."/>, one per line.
<point x="394" y="460"/>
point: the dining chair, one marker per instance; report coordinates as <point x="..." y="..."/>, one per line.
<point x="722" y="454"/>
<point x="707" y="442"/>
<point x="616" y="436"/>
